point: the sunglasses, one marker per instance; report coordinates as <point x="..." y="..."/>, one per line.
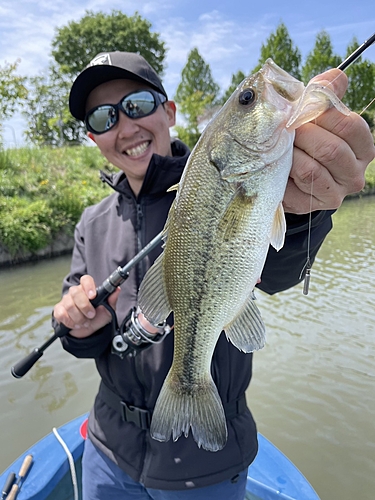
<point x="135" y="105"/>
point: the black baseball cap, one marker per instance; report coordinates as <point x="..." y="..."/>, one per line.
<point x="108" y="66"/>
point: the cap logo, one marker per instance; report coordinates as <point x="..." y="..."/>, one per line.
<point x="101" y="59"/>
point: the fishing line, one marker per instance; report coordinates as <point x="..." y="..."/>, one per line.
<point x="307" y="266"/>
<point x="343" y="66"/>
<point x="306" y="283"/>
<point x="368" y="105"/>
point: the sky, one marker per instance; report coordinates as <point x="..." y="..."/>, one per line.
<point x="228" y="34"/>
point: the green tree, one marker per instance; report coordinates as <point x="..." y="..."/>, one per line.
<point x="12" y="91"/>
<point x="196" y="93"/>
<point x="48" y="117"/>
<point x="279" y="47"/>
<point x="360" y="92"/>
<point x="237" y="78"/>
<point x="320" y="58"/>
<point x="78" y="42"/>
<point x="73" y="47"/>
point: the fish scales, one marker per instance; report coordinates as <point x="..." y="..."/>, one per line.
<point x="227" y="211"/>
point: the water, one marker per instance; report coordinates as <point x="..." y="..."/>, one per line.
<point x="59" y="387"/>
<point x="313" y="389"/>
<point x="314" y="383"/>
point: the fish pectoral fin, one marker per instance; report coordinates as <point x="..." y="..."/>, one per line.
<point x="152" y="297"/>
<point x="278" y="229"/>
<point x="197" y="407"/>
<point x="315" y="99"/>
<point x="235" y="216"/>
<point x="247" y="330"/>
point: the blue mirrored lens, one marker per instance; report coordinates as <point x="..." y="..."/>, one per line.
<point x="139" y="104"/>
<point x="134" y="105"/>
<point x="102" y="119"/>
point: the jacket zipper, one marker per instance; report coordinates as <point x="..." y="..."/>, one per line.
<point x="139" y="232"/>
<point x="140" y="269"/>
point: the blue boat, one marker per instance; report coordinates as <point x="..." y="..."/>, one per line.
<point x="55" y="470"/>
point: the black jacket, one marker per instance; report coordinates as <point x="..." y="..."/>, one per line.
<point x="109" y="234"/>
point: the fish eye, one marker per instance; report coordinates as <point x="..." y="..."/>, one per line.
<point x="247" y="97"/>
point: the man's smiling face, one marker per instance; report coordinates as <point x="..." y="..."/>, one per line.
<point x="130" y="144"/>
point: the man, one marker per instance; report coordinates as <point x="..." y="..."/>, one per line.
<point x="128" y="115"/>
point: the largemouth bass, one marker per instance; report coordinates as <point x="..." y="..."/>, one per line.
<point x="227" y="212"/>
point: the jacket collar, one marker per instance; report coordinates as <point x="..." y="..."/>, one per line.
<point x="162" y="173"/>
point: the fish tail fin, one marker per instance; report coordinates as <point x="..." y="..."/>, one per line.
<point x="199" y="408"/>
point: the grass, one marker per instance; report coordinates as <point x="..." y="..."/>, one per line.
<point x="370" y="176"/>
<point x="43" y="193"/>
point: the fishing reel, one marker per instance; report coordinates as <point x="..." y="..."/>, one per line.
<point x="131" y="337"/>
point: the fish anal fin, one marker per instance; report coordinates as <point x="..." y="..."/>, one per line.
<point x="278" y="228"/>
<point x="152" y="298"/>
<point x="247" y="330"/>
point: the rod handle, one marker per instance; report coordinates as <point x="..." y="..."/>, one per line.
<point x="25" y="467"/>
<point x="23" y="366"/>
<point x="8" y="485"/>
<point x="102" y="293"/>
<point x="13" y="492"/>
<point x="61" y="330"/>
<point x="28" y="460"/>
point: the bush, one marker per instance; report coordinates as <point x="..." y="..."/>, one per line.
<point x="25" y="226"/>
<point x="44" y="191"/>
<point x="370" y="175"/>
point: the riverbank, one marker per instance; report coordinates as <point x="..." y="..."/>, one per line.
<point x="61" y="245"/>
<point x="43" y="193"/>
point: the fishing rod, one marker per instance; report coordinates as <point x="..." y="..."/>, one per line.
<point x="102" y="293"/>
<point x="121" y="273"/>
<point x="356" y="54"/>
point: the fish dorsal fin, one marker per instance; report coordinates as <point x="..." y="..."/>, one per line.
<point x="247" y="330"/>
<point x="278" y="228"/>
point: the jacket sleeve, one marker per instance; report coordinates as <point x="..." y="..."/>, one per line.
<point x="94" y="345"/>
<point x="283" y="269"/>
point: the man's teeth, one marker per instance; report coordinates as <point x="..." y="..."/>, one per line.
<point x="138" y="150"/>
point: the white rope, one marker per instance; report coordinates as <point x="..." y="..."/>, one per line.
<point x="71" y="462"/>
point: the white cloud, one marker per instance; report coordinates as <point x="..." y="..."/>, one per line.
<point x="28" y="36"/>
<point x="155" y="7"/>
<point x="226" y="45"/>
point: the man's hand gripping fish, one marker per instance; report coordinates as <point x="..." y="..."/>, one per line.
<point x="227" y="212"/>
